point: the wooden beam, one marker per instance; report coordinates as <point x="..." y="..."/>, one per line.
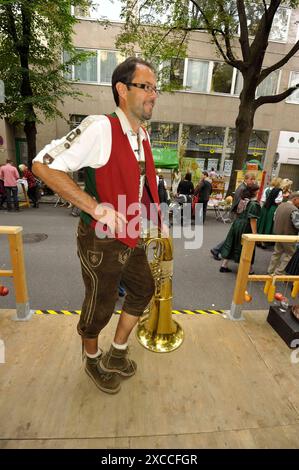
<point x="18" y="265"/>
<point x="9" y="229"/>
<point x="270" y="238"/>
<point x="268" y="277"/>
<point x="243" y="271"/>
<point x="6" y="273"/>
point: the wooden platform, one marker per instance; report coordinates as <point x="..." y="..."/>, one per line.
<point x="230" y="385"/>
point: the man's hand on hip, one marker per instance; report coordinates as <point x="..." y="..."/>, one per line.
<point x="114" y="220"/>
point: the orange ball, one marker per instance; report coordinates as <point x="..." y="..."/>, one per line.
<point x="247" y="297"/>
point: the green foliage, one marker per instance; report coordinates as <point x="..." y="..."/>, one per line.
<point x="33" y="34"/>
<point x="163" y="42"/>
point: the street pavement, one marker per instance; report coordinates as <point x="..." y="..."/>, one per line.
<point x="53" y="269"/>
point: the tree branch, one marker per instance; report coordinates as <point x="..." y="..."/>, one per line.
<point x="228" y="56"/>
<point x="244" y="40"/>
<point x="274" y="98"/>
<point x="226" y="34"/>
<point x="279" y="64"/>
<point x="260" y="42"/>
<point x="11" y="25"/>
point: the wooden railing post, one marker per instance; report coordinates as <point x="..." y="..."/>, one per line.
<point x="243" y="276"/>
<point x="241" y="281"/>
<point x="17" y="272"/>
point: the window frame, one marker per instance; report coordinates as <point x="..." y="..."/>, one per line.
<point x="288" y="100"/>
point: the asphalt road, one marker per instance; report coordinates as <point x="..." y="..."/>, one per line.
<point x="53" y="269"/>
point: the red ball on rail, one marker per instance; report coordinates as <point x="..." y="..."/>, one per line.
<point x="3" y="291"/>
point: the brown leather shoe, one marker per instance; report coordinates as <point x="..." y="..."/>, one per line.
<point x="106" y="381"/>
<point x="116" y="360"/>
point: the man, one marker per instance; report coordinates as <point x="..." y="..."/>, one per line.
<point x="286" y="223"/>
<point x="116" y="153"/>
<point x="32" y="185"/>
<point x="10" y="176"/>
<point x="2" y="191"/>
<point x="203" y="191"/>
<point x="249" y="180"/>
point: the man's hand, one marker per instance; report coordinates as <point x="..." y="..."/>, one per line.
<point x="114" y="220"/>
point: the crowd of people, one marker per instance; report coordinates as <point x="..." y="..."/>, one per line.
<point x="276" y="213"/>
<point x="9" y="179"/>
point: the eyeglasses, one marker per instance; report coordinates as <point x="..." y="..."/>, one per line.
<point x="147" y="88"/>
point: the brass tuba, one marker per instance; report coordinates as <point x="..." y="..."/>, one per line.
<point x="157" y="331"/>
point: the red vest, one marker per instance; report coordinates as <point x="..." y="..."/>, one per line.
<point x="120" y="176"/>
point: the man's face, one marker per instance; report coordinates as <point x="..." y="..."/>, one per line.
<point x="250" y="181"/>
<point x="140" y="103"/>
<point x="296" y="202"/>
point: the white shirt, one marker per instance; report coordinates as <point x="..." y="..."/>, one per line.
<point x="278" y="199"/>
<point x="92" y="146"/>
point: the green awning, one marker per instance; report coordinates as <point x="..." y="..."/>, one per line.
<point x="165" y="158"/>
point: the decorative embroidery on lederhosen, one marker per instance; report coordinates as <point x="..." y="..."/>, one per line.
<point x="94" y="258"/>
<point x="124" y="255"/>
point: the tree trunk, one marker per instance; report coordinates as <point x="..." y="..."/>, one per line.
<point x="244" y="126"/>
<point x="30" y="131"/>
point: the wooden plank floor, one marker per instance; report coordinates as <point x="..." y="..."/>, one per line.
<point x="230" y="385"/>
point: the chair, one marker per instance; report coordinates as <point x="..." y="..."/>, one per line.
<point x="223" y="212"/>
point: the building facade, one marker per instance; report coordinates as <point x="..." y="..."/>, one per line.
<point x="198" y="120"/>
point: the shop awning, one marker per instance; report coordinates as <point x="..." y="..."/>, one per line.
<point x="165" y="158"/>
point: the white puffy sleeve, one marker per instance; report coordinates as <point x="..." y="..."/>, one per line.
<point x="89" y="144"/>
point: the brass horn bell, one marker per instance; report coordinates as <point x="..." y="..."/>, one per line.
<point x="157" y="331"/>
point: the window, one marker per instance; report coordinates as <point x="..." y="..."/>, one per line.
<point x="269" y="85"/>
<point x="68" y="74"/>
<point x="294" y="97"/>
<point x="197" y="75"/>
<point x="212" y="77"/>
<point x="257" y="144"/>
<point x="87" y="70"/>
<point x="280" y="25"/>
<point x="221" y="78"/>
<point x="84" y="72"/>
<point x="163" y="134"/>
<point x="109" y="61"/>
<point x="238" y="84"/>
<point x="172" y="70"/>
<point x="279" y="30"/>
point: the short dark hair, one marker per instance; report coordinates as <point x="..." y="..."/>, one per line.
<point x="188" y="177"/>
<point x="124" y="73"/>
<point x="205" y="173"/>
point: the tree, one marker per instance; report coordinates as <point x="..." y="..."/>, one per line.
<point x="33" y="34"/>
<point x="227" y="23"/>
